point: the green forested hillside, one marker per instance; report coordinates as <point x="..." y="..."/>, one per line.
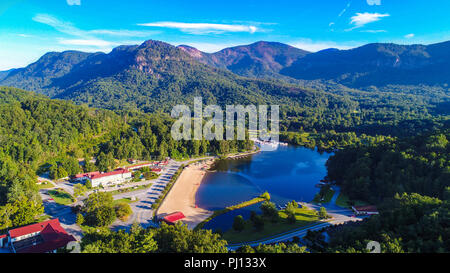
<point x="38" y="135"/>
<point x="34" y="130"/>
<point x="377" y="64"/>
<point x="409" y="180"/>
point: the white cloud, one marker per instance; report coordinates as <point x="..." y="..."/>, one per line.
<point x="361" y="19"/>
<point x="203" y="28"/>
<point x="25" y="35"/>
<point x="374" y="31"/>
<point x="88" y="38"/>
<point x="73" y="2"/>
<point x="409" y="36"/>
<point x="61" y="26"/>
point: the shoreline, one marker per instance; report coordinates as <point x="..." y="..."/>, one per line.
<point x="241" y="155"/>
<point x="182" y="195"/>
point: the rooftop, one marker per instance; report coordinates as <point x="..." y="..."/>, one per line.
<point x="51" y="236"/>
<point x="115" y="172"/>
<point x="365" y="208"/>
<point x="173" y="217"/>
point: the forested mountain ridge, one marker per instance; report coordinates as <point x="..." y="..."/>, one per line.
<point x="156" y="74"/>
<point x="260" y="59"/>
<point x="150" y="77"/>
<point x="5" y="73"/>
<point x="377" y="64"/>
<point x="50" y="66"/>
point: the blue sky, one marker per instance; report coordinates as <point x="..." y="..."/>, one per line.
<point x="30" y="28"/>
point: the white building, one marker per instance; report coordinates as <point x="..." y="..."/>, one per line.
<point x="111" y="178"/>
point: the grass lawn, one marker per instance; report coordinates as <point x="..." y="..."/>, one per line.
<point x="304" y="217"/>
<point x="326" y="198"/>
<point x="43" y="218"/>
<point x="45" y="185"/>
<point x="130" y="189"/>
<point x="61" y="197"/>
<point x="152" y="176"/>
<point x="230" y="208"/>
<point x="345" y="202"/>
<point x="125" y="200"/>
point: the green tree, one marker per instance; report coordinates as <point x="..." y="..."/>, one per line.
<point x="27" y="211"/>
<point x="266" y="196"/>
<point x="258" y="222"/>
<point x="123" y="211"/>
<point x="178" y="238"/>
<point x="323" y="213"/>
<point x="99" y="209"/>
<point x="105" y="162"/>
<point x="80" y="219"/>
<point x="239" y="223"/>
<point x="270" y="211"/>
<point x="137" y="176"/>
<point x="79" y="190"/>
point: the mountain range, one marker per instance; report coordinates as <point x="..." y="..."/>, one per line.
<point x="154" y="75"/>
<point x="261" y="59"/>
<point x="151" y="76"/>
<point x="372" y="64"/>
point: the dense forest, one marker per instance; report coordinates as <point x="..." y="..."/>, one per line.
<point x="409" y="180"/>
<point x="39" y="135"/>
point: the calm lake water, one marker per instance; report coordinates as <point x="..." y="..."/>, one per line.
<point x="289" y="173"/>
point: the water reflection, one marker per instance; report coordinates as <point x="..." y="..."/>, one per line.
<point x="289" y="173"/>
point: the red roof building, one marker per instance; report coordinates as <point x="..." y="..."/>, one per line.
<point x="115" y="172"/>
<point x="87" y="175"/>
<point x="156" y="170"/>
<point x="163" y="163"/>
<point x="139" y="166"/>
<point x="365" y="210"/>
<point x="173" y="217"/>
<point x="44" y="237"/>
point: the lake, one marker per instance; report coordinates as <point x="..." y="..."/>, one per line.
<point x="289" y="173"/>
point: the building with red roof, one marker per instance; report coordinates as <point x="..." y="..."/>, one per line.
<point x="163" y="163"/>
<point x="82" y="177"/>
<point x="140" y="166"/>
<point x="43" y="237"/>
<point x="156" y="170"/>
<point x="97" y="178"/>
<point x="3" y="238"/>
<point x="110" y="178"/>
<point x="174" y="217"/>
<point x="365" y="210"/>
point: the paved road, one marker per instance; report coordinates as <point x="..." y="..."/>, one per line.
<point x="142" y="209"/>
<point x="64" y="213"/>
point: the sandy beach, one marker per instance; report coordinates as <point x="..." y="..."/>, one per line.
<point x="182" y="195"/>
